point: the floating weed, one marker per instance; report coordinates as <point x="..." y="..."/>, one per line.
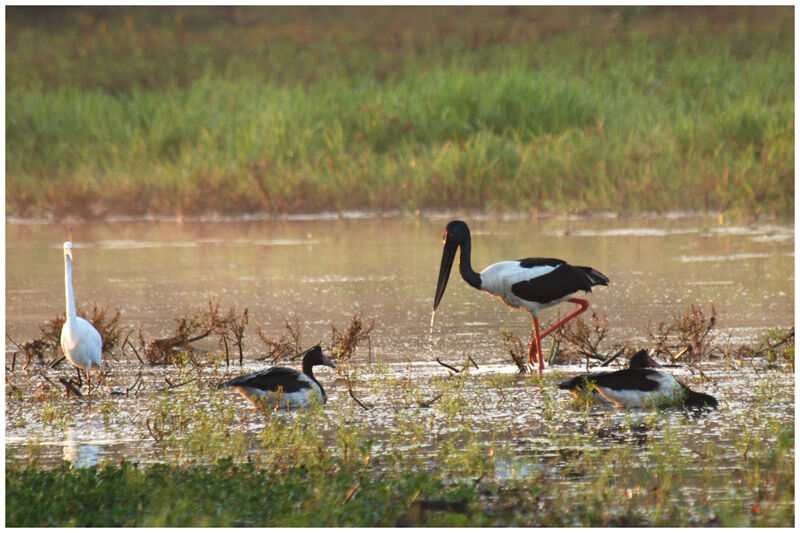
<point x="109" y="409"/>
<point x="196" y="425"/>
<point x="54" y="412"/>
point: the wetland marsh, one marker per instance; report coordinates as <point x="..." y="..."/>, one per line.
<point x="485" y="446"/>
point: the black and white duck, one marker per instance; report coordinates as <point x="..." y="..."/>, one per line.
<point x="280" y="387"/>
<point x="639" y="385"/>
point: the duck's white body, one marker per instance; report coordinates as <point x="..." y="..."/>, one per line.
<point x="668" y="391"/>
<point x="80" y="341"/>
<point x="280" y="399"/>
<point x="279" y="387"/>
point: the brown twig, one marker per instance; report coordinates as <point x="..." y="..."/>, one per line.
<point x="612" y="358"/>
<point x="135" y="351"/>
<point x="351" y="492"/>
<point x="353" y="396"/>
<point x="176" y="385"/>
<point x="430" y="402"/>
<point x="448" y="366"/>
<point x="138" y="378"/>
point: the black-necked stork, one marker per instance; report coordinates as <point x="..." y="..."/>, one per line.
<point x="639" y="386"/>
<point x="80" y="340"/>
<point x="527" y="284"/>
<point x="279" y="387"/>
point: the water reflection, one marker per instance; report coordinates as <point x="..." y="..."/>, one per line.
<point x="81" y="454"/>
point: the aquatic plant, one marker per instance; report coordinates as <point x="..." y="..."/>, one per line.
<point x="344" y="344"/>
<point x="286" y="347"/>
<point x="171" y="350"/>
<point x="685" y="335"/>
<point x="230" y="328"/>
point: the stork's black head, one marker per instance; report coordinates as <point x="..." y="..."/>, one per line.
<point x="456" y="231"/>
<point x="455" y="234"/>
<point x="314" y="357"/>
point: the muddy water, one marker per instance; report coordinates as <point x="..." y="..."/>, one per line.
<point x="319" y="270"/>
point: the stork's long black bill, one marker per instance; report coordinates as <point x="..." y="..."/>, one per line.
<point x="448" y="255"/>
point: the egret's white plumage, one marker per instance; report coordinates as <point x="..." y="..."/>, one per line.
<point x="80" y="341"/>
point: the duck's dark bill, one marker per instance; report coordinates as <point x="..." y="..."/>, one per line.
<point x="448" y="255"/>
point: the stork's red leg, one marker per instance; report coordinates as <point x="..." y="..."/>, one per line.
<point x="537" y="346"/>
<point x="584" y="305"/>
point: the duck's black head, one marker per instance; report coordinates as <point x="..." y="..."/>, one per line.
<point x="700" y="399"/>
<point x="314" y="357"/>
<point x="455" y="234"/>
<point x="642" y="360"/>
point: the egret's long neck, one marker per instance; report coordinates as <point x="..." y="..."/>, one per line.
<point x="71" y="312"/>
<point x="465" y="265"/>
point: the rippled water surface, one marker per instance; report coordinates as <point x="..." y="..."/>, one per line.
<point x="319" y="270"/>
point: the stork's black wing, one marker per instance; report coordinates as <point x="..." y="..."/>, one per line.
<point x="560" y="282"/>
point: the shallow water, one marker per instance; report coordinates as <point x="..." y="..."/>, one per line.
<point x="319" y="270"/>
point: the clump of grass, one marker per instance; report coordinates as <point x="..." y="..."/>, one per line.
<point x="584" y="339"/>
<point x="516" y="349"/>
<point x="344" y="344"/>
<point x="174" y="349"/>
<point x="284" y="347"/>
<point x="776" y="346"/>
<point x="196" y="425"/>
<point x="686" y="335"/>
<point x="230" y="328"/>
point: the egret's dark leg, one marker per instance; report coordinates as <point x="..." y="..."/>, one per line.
<point x="584" y="305"/>
<point x="80" y="381"/>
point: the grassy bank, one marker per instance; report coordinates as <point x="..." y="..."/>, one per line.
<point x="142" y="110"/>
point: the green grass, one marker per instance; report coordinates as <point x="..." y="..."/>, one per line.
<point x="136" y="110"/>
<point x="682" y="482"/>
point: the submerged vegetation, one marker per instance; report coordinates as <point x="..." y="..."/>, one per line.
<point x="423" y="450"/>
<point x="316" y="468"/>
<point x="285" y="109"/>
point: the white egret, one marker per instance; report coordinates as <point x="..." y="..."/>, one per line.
<point x="80" y="341"/>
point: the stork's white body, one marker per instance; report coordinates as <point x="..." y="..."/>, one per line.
<point x="497" y="280"/>
<point x="530" y="284"/>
